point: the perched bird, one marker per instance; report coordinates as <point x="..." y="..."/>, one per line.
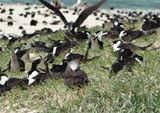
<point x="33" y="77"/>
<point x="77" y="36"/>
<point x="59" y="68"/>
<point x="95" y="43"/>
<point x="33" y="14"/>
<point x="40" y="64"/>
<point x="33" y="22"/>
<point x="10" y="23"/>
<point x="149" y="26"/>
<point x="120" y="66"/>
<point x="130" y="34"/>
<point x="118" y="46"/>
<point x="80" y="58"/>
<point x="9" y="82"/>
<point x="71" y="56"/>
<point x="54" y="50"/>
<point x="23" y="54"/>
<point x="15" y="64"/>
<point x="115" y="30"/>
<point x="12" y="40"/>
<point x="74" y="76"/>
<point x="125" y="63"/>
<point x="156" y="18"/>
<point x="3" y="11"/>
<point x="20" y="27"/>
<point x="125" y="54"/>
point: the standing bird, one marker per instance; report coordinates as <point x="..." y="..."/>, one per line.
<point x="74" y="76"/>
<point x="40" y="64"/>
<point x="23" y="54"/>
<point x="33" y="14"/>
<point x="15" y="64"/>
<point x="95" y="43"/>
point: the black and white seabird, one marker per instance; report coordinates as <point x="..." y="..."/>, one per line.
<point x="115" y="30"/>
<point x="74" y="76"/>
<point x="118" y="66"/>
<point x="23" y="54"/>
<point x="119" y="45"/>
<point x="33" y="76"/>
<point x="9" y="82"/>
<point x="12" y="39"/>
<point x="15" y="64"/>
<point x="80" y="58"/>
<point x="59" y="68"/>
<point x="130" y="34"/>
<point x="149" y="26"/>
<point x="40" y="64"/>
<point x="156" y="18"/>
<point x="76" y="36"/>
<point x="54" y="50"/>
<point x="80" y="19"/>
<point x="126" y="54"/>
<point x="71" y="56"/>
<point x="124" y="63"/>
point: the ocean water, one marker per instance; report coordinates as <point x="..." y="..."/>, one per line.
<point x="122" y="4"/>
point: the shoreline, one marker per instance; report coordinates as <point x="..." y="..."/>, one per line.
<point x="25" y="22"/>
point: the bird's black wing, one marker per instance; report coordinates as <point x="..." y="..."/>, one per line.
<point x="86" y="13"/>
<point x="89" y="45"/>
<point x="55" y="10"/>
<point x="22" y="64"/>
<point x="100" y="43"/>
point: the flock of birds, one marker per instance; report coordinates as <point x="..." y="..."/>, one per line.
<point x="70" y="69"/>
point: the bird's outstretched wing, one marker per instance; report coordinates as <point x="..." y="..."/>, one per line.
<point x="86" y="13"/>
<point x="56" y="10"/>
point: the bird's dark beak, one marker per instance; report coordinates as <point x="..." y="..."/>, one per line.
<point x="40" y="56"/>
<point x="12" y="54"/>
<point x="109" y="45"/>
<point x="94" y="38"/>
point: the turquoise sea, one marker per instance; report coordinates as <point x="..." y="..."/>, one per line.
<point x="125" y="4"/>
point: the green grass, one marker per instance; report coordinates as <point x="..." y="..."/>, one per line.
<point x="128" y="94"/>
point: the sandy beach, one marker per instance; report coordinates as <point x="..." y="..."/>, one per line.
<point x="25" y="21"/>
